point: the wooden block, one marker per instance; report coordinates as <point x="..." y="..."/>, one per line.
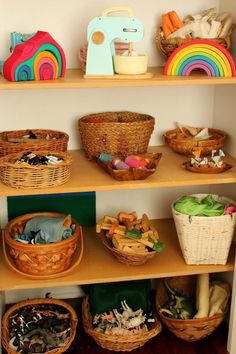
<point x="120" y="230"/>
<point x="145" y="223"/>
<point x="112" y="229"/>
<point x="110" y="219"/>
<point x="147" y="234"/>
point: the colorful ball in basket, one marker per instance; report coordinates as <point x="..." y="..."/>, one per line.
<point x="204" y="54"/>
<point x="38" y="58"/>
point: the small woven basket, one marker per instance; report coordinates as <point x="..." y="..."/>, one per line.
<point x="189" y="330"/>
<point x="125" y="257"/>
<point x="34" y="302"/>
<point x="117" y="343"/>
<point x="35" y="176"/>
<point x="167" y="46"/>
<point x="50" y="140"/>
<point x="116" y="133"/>
<point x="41" y="261"/>
<point x="187" y="146"/>
<point x="202" y="239"/>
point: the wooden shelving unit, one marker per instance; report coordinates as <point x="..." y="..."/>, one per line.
<point x="88" y="176"/>
<point x="98" y="265"/>
<point x="74" y="79"/>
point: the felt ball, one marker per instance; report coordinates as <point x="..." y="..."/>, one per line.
<point x="132" y="161"/>
<point x="104" y="157"/>
<point x="122" y="166"/>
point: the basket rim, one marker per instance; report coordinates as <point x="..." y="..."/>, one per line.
<point x="6" y="132"/>
<point x="192" y="320"/>
<point x="11" y="242"/>
<point x="149" y="118"/>
<point x="220" y="132"/>
<point x="67" y="160"/>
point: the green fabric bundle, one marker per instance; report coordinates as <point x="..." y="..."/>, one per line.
<point x="190" y="205"/>
<point x="108" y="296"/>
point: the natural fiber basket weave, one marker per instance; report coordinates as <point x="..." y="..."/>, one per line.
<point x="117" y="133"/>
<point x="125" y="257"/>
<point x="50" y="140"/>
<point x="34" y="302"/>
<point x="117" y="343"/>
<point x="35" y="176"/>
<point x="41" y="261"/>
<point x="167" y="46"/>
<point x="187" y="146"/>
<point x="202" y="239"/>
<point x="189" y="330"/>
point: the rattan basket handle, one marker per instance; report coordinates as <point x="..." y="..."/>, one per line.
<point x="67" y="271"/>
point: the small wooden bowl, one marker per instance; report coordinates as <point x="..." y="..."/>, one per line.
<point x="133" y="173"/>
<point x="125" y="257"/>
<point x="187" y="146"/>
<point x="209" y="170"/>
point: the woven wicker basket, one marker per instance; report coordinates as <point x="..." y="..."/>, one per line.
<point x="116" y="343"/>
<point x="125" y="257"/>
<point x="50" y="140"/>
<point x="116" y="133"/>
<point x="187" y="146"/>
<point x="167" y="46"/>
<point x="205" y="240"/>
<point x="189" y="330"/>
<point x="33" y="302"/>
<point x="41" y="261"/>
<point x="35" y="176"/>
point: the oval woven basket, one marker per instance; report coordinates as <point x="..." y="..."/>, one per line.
<point x="51" y="140"/>
<point x="117" y="343"/>
<point x="117" y="133"/>
<point x="187" y="146"/>
<point x="167" y="46"/>
<point x="35" y="176"/>
<point x="205" y="239"/>
<point x="41" y="261"/>
<point x="33" y="302"/>
<point x="189" y="330"/>
<point x="125" y="257"/>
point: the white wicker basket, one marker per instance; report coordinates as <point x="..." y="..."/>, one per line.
<point x="205" y="240"/>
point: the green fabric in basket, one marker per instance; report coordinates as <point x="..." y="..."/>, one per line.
<point x="190" y="205"/>
<point x="107" y="296"/>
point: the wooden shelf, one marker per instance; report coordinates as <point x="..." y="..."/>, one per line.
<point x="98" y="265"/>
<point x="74" y="79"/>
<point x="88" y="176"/>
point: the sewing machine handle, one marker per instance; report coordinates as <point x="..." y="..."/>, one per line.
<point x="118" y="9"/>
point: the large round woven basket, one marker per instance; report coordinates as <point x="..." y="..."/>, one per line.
<point x="51" y="140"/>
<point x="125" y="257"/>
<point x="116" y="133"/>
<point x="117" y="343"/>
<point x="205" y="239"/>
<point x="35" y="176"/>
<point x="41" y="261"/>
<point x="167" y="46"/>
<point x="32" y="303"/>
<point x="187" y="146"/>
<point x="189" y="330"/>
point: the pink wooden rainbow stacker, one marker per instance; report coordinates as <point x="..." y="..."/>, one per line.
<point x="203" y="54"/>
<point x="38" y="58"/>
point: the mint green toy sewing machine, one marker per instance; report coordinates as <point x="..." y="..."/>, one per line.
<point x="102" y="32"/>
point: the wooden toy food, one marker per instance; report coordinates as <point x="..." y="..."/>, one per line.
<point x="129" y="235"/>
